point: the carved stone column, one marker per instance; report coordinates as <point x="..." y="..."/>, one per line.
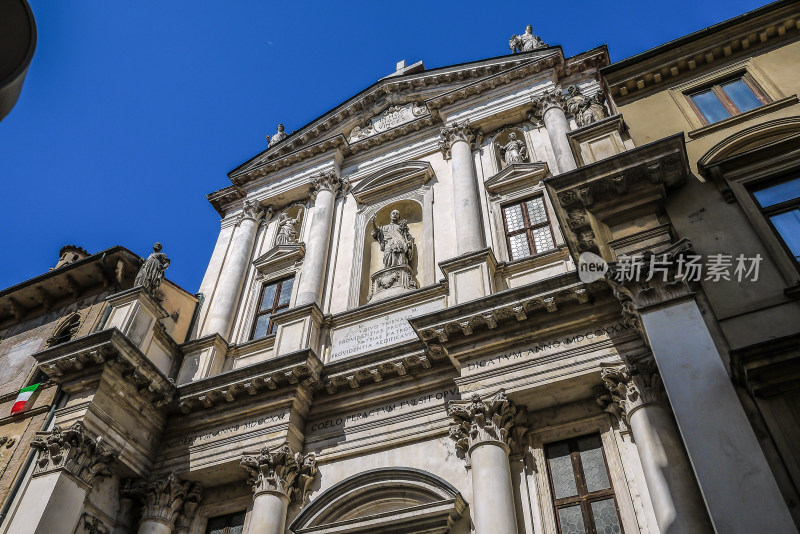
<point x="549" y="108"/>
<point x="639" y="399"/>
<point x="456" y="142"/>
<point x="229" y="287"/>
<point x="325" y="187"/>
<point x="164" y="501"/>
<point x="278" y="477"/>
<point x="70" y="461"/>
<point x="726" y="457"/>
<point x="484" y="429"/>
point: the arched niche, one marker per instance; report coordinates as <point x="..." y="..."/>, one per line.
<point x="403" y="186"/>
<point x="388" y="500"/>
<point x="502" y="137"/>
<point x="297" y="212"/>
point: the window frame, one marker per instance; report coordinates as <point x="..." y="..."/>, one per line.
<point x="528" y="227"/>
<point x="275" y="307"/>
<point x="716" y="88"/>
<point x="776" y="209"/>
<point x="231" y="515"/>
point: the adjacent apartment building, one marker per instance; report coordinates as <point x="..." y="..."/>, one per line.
<point x="526" y="294"/>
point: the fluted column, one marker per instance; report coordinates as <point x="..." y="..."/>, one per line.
<point x="325" y="187"/>
<point x="456" y="142"/>
<point x="165" y="502"/>
<point x="484" y="429"/>
<point x="640" y="401"/>
<point x="231" y="279"/>
<point x="549" y="108"/>
<point x="278" y="477"/>
<point x="70" y="461"/>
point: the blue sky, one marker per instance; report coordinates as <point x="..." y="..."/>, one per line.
<point x="133" y="111"/>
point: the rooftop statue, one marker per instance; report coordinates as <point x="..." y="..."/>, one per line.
<point x="525" y="42"/>
<point x="279" y="136"/>
<point x="514" y="151"/>
<point x="151" y="273"/>
<point x="395" y="239"/>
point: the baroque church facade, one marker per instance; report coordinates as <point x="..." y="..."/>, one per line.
<point x="459" y="302"/>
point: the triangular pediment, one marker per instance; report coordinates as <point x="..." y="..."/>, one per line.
<point x="280" y="256"/>
<point x="517" y="176"/>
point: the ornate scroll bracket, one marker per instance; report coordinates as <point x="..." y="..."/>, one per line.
<point x="457" y="131"/>
<point x="168" y="500"/>
<point x="281" y="470"/>
<point x="632" y="385"/>
<point x="75" y="451"/>
<point x="328" y="181"/>
<point x="492" y="418"/>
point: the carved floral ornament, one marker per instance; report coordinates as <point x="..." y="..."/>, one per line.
<point x="328" y="181"/>
<point x="392" y="117"/>
<point x="632" y="385"/>
<point x="74" y="451"/>
<point x="167" y="499"/>
<point x="586" y="110"/>
<point x="492" y="418"/>
<point x="457" y="131"/>
<point x="281" y="470"/>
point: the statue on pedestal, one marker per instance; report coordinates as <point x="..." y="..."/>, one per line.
<point x="287" y="235"/>
<point x="525" y="42"/>
<point x="514" y="151"/>
<point x="151" y="273"/>
<point x="396" y="242"/>
<point x="279" y="136"/>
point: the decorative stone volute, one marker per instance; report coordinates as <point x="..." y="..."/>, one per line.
<point x="164" y="500"/>
<point x="326" y="181"/>
<point x="457" y="131"/>
<point x="633" y="385"/>
<point x="74" y="451"/>
<point x="492" y="418"/>
<point x="553" y="97"/>
<point x="250" y="210"/>
<point x="281" y="470"/>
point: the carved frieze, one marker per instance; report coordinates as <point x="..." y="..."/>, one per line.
<point x="632" y="385"/>
<point x="392" y="117"/>
<point x="492" y="418"/>
<point x="457" y="131"/>
<point x="164" y="499"/>
<point x="281" y="470"/>
<point x="75" y="451"/>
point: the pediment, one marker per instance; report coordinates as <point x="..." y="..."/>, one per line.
<point x="280" y="256"/>
<point x="751" y="139"/>
<point x="516" y="176"/>
<point x="391" y="180"/>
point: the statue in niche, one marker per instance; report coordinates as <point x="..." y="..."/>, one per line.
<point x="586" y="110"/>
<point x="525" y="42"/>
<point x="395" y="239"/>
<point x="151" y="273"/>
<point x="287" y="235"/>
<point x="514" y="151"/>
<point x="279" y="136"/>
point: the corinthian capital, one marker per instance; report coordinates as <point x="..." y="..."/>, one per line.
<point x="281" y="470"/>
<point x="492" y="418"/>
<point x="164" y="499"/>
<point x="632" y="386"/>
<point x="74" y="451"/>
<point x="326" y="181"/>
<point x="550" y="98"/>
<point x="250" y="210"/>
<point x="457" y="131"/>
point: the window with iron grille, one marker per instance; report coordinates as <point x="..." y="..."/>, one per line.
<point x="527" y="228"/>
<point x="726" y="99"/>
<point x="275" y="297"/>
<point x="583" y="496"/>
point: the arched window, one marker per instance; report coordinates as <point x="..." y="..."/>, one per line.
<point x="66" y="330"/>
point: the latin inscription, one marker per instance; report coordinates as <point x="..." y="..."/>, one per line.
<point x="188" y="441"/>
<point x="380" y="332"/>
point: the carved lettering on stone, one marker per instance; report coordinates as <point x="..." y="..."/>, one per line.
<point x="492" y="418"/>
<point x="392" y="117"/>
<point x="74" y="451"/>
<point x="281" y="470"/>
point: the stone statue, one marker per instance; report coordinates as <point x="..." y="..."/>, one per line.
<point x="279" y="136"/>
<point x="151" y="273"/>
<point x="514" y="151"/>
<point x="586" y="110"/>
<point x="395" y="239"/>
<point x="525" y="42"/>
<point x="287" y="235"/>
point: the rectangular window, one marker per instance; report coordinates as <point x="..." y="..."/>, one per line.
<point x="583" y="497"/>
<point x="275" y="296"/>
<point x="726" y="99"/>
<point x="226" y="524"/>
<point x="780" y="204"/>
<point x="527" y="228"/>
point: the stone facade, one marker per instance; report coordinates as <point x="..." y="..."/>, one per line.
<point x="496" y="385"/>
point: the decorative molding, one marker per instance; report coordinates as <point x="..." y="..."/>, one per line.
<point x="165" y="499"/>
<point x="487" y="419"/>
<point x="390" y="118"/>
<point x="392" y="180"/>
<point x="251" y="210"/>
<point x="551" y="98"/>
<point x="279" y="257"/>
<point x="632" y="385"/>
<point x="281" y="470"/>
<point x="516" y="176"/>
<point x="74" y="451"/>
<point x="457" y="131"/>
<point x="327" y="181"/>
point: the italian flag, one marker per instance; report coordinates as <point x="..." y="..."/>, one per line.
<point x="25" y="394"/>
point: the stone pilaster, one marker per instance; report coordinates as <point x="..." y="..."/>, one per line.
<point x="549" y="107"/>
<point x="73" y="451"/>
<point x="163" y="501"/>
